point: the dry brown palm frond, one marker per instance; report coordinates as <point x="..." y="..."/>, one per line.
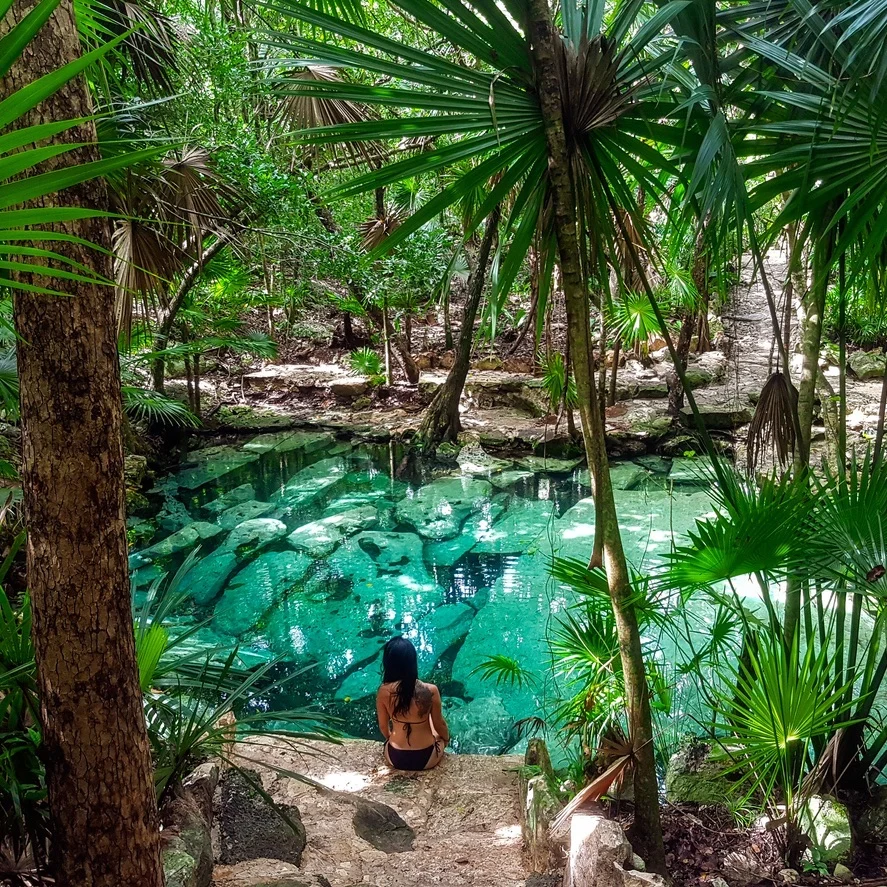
<point x="305" y="111"/>
<point x="376" y="229"/>
<point x="618" y="752"/>
<point x="189" y="189"/>
<point x="772" y="428"/>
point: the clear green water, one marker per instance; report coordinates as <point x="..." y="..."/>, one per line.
<point x="318" y="551"/>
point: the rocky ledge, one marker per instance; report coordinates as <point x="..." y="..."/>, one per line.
<point x="456" y="826"/>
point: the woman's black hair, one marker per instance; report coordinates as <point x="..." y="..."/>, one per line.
<point x="400" y="666"/>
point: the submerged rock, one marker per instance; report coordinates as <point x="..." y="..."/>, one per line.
<point x="480" y="727"/>
<point x="547" y="465"/>
<point x="439" y="509"/>
<point x="243" y="493"/>
<point x="518" y="531"/>
<point x="244" y="511"/>
<point x="322" y="537"/>
<point x="250" y="829"/>
<point x="213" y="463"/>
<point x="253" y="535"/>
<point x="289" y="441"/>
<point x="308" y="485"/>
<point x="476" y="529"/>
<point x="256" y="589"/>
<point x="506" y="479"/>
<point x="182" y="540"/>
<point x="206" y="579"/>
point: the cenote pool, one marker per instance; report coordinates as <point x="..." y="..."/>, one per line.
<point x="318" y="550"/>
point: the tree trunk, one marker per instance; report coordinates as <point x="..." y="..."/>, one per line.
<point x="95" y="746"/>
<point x="811" y="311"/>
<point x="647" y="829"/>
<point x="675" y="388"/>
<point x="168" y="316"/>
<point x="441" y="420"/>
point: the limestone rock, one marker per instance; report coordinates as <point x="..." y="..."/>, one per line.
<point x="321" y="537"/>
<point x="382" y="827"/>
<point x="788" y="876"/>
<point x="244" y="511"/>
<point x="213" y="463"/>
<point x="439" y="509"/>
<point x="518" y="530"/>
<point x="548" y="465"/>
<point x="308" y="485"/>
<point x="256" y="589"/>
<point x="348" y="388"/>
<point x="473" y="460"/>
<point x="481" y="726"/>
<point x="868" y="364"/>
<point x="694" y="777"/>
<point x="135" y="471"/>
<point x="689" y="472"/>
<point x="243" y="493"/>
<point x="250" y="829"/>
<point x="598" y="856"/>
<point x="827" y="824"/>
<point x="206" y="579"/>
<point x="476" y="529"/>
<point x="842" y="873"/>
<point x="717" y="418"/>
<point x="182" y="540"/>
<point x="506" y="479"/>
<point x="254" y="535"/>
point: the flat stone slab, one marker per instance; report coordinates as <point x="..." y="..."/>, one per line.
<point x="308" y="485"/>
<point x="213" y="463"/>
<point x="182" y="540"/>
<point x="244" y="511"/>
<point x="547" y="465"/>
<point x="243" y="493"/>
<point x="464" y="815"/>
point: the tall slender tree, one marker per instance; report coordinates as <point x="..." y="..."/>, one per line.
<point x="98" y="762"/>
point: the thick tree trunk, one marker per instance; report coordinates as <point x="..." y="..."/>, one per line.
<point x="441" y="420"/>
<point x="98" y="762"/>
<point x="647" y="829"/>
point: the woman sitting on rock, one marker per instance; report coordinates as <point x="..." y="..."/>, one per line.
<point x="409" y="711"/>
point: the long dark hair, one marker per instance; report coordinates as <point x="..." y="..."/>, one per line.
<point x="400" y="666"/>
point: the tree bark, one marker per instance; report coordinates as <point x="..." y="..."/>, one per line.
<point x="98" y="762"/>
<point x="647" y="829"/>
<point x="441" y="420"/>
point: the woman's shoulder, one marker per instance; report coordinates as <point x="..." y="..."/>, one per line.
<point x="431" y="688"/>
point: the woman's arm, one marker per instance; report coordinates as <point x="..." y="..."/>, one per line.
<point x="437" y="718"/>
<point x="382" y="712"/>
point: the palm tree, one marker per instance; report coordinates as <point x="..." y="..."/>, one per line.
<point x="567" y="122"/>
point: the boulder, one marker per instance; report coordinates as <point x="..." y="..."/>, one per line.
<point x="256" y="589"/>
<point x="349" y="388"/>
<point x="507" y="479"/>
<point x="868" y="364"/>
<point x="135" y="471"/>
<point x="548" y="465"/>
<point x="380" y="825"/>
<point x="827" y="824"/>
<point x="743" y="867"/>
<point x="695" y="776"/>
<point x="182" y="540"/>
<point x="321" y="537"/>
<point x="213" y="463"/>
<point x="249" y="828"/>
<point x="842" y="873"/>
<point x="439" y="509"/>
<point x="600" y="856"/>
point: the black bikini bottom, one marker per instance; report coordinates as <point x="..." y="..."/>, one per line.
<point x="409" y="758"/>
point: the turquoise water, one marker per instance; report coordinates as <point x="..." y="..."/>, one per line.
<point x="318" y="551"/>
